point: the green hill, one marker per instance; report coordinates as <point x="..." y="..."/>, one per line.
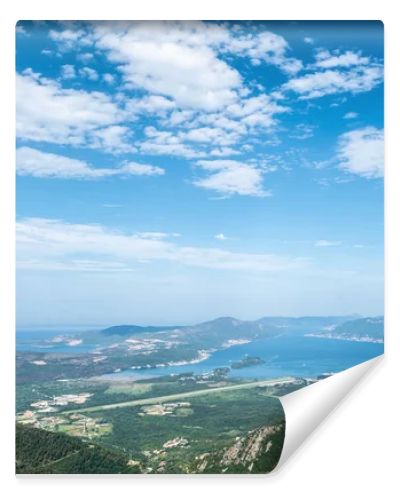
<point x="43" y="452"/>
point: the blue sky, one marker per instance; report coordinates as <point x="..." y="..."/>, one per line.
<point x="169" y="173"/>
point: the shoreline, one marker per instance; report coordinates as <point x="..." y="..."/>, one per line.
<point x="366" y="339"/>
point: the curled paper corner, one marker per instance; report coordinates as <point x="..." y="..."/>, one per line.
<point x="306" y="408"/>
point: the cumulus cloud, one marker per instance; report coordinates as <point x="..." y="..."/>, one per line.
<point x="361" y="152"/>
<point x="160" y="142"/>
<point x="50" y="113"/>
<point x="220" y="237"/>
<point x="154" y="104"/>
<point x="35" y="163"/>
<point x="326" y="59"/>
<point x="109" y="78"/>
<point x="170" y="59"/>
<point x="89" y="73"/>
<point x="70" y="37"/>
<point x="68" y="72"/>
<point x="182" y="59"/>
<point x="264" y="47"/>
<point x="113" y="139"/>
<point x="356" y="79"/>
<point x="51" y="244"/>
<point x="336" y="72"/>
<point x="198" y="102"/>
<point x="229" y="177"/>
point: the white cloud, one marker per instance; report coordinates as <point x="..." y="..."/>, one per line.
<point x="69" y="38"/>
<point x="109" y="78"/>
<point x="48" y="244"/>
<point x="165" y="143"/>
<point x="77" y="265"/>
<point x="157" y="235"/>
<point x="113" y="139"/>
<point x="85" y="57"/>
<point x="172" y="59"/>
<point x="356" y="79"/>
<point x="230" y="177"/>
<point x="221" y="237"/>
<point x="224" y="152"/>
<point x="68" y="72"/>
<point x="35" y="163"/>
<point x="213" y="135"/>
<point x="361" y="152"/>
<point x="256" y="111"/>
<point x="181" y="59"/>
<point x="154" y="104"/>
<point x="48" y="112"/>
<point x="327" y="243"/>
<point x="309" y="40"/>
<point x="89" y="73"/>
<point x="350" y="115"/>
<point x="134" y="168"/>
<point x="302" y="131"/>
<point x="20" y="30"/>
<point x="326" y="59"/>
<point x="264" y="46"/>
<point x="179" y="117"/>
<point x="190" y="89"/>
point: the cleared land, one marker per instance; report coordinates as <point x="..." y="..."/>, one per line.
<point x="172" y="397"/>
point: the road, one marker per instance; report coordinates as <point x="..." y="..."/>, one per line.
<point x="181" y="395"/>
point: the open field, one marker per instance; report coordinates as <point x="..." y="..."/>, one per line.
<point x="200" y="392"/>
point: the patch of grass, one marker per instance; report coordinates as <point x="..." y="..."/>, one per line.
<point x="129" y="388"/>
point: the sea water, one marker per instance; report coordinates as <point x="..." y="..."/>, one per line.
<point x="287" y="355"/>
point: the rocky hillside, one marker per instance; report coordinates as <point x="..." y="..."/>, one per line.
<point x="257" y="452"/>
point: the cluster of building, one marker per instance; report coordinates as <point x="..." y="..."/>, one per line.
<point x="47" y="405"/>
<point x="163" y="408"/>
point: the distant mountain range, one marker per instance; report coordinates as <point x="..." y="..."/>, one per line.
<point x="134" y="329"/>
<point x="226" y="331"/>
<point x="223" y="324"/>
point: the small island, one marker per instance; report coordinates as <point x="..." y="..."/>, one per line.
<point x="246" y="362"/>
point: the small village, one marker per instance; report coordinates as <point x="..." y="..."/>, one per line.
<point x="174" y="409"/>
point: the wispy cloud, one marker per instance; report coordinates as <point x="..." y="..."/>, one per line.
<point x="335" y="73"/>
<point x="35" y="163"/>
<point x="350" y="115"/>
<point x="55" y="244"/>
<point x="327" y="243"/>
<point x="325" y="59"/>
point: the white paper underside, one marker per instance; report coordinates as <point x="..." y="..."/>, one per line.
<point x="306" y="408"/>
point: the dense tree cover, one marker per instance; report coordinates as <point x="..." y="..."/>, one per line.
<point x="42" y="452"/>
<point x="213" y="424"/>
